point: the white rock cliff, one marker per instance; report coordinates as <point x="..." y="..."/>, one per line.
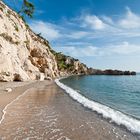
<point x="23" y="54"/>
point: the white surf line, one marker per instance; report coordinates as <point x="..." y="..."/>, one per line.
<point x="119" y="118"/>
<point x="4" y="110"/>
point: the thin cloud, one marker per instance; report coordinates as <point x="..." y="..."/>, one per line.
<point x="79" y="37"/>
<point x="130" y="21"/>
<point x="107" y="20"/>
<point x="46" y="29"/>
<point x="78" y="34"/>
<point x="89" y="26"/>
<point x="93" y="22"/>
<point x="124" y="48"/>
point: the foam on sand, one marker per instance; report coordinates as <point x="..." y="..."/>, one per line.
<point x="119" y="118"/>
<point x="4" y="110"/>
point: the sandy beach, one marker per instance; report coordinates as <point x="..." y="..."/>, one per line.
<point x="41" y="110"/>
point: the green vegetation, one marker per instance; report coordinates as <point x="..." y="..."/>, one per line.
<point x="61" y="61"/>
<point x="9" y="12"/>
<point x="26" y="42"/>
<point x="1" y="9"/>
<point x="16" y="27"/>
<point x="62" y="65"/>
<point x="22" y="17"/>
<point x="27" y="26"/>
<point x="39" y="34"/>
<point x="9" y="38"/>
<point x="27" y="9"/>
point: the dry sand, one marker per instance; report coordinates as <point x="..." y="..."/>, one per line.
<point x="43" y="111"/>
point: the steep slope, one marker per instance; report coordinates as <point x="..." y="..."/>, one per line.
<point x="68" y="65"/>
<point x="27" y="56"/>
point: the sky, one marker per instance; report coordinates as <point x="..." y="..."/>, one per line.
<point x="103" y="34"/>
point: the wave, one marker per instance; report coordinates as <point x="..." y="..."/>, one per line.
<point x="119" y="118"/>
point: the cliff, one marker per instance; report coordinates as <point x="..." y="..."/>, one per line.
<point x="68" y="65"/>
<point x="25" y="55"/>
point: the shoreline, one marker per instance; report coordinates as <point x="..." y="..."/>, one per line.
<point x="119" y="118"/>
<point x="71" y="112"/>
<point x="18" y="88"/>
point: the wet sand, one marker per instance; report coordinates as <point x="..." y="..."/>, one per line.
<point x="17" y="89"/>
<point x="46" y="112"/>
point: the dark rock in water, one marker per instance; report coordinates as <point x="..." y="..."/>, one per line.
<point x="109" y="72"/>
<point x="118" y="72"/>
<point x="133" y="73"/>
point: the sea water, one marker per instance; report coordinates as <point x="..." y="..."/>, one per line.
<point x="115" y="97"/>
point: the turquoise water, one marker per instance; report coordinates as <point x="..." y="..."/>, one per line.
<point x="120" y="93"/>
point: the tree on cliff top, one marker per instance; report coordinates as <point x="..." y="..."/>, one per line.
<point x="27" y="9"/>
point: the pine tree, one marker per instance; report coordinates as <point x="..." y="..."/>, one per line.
<point x="27" y="9"/>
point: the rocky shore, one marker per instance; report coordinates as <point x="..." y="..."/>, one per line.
<point x="92" y="71"/>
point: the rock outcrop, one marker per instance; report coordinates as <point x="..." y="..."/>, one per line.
<point x="68" y="65"/>
<point x="25" y="55"/>
<point x="92" y="71"/>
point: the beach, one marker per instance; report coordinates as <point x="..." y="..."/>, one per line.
<point x="41" y="110"/>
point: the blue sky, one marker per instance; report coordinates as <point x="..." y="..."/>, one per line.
<point x="101" y="33"/>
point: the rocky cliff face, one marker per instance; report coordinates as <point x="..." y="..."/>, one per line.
<point x="27" y="56"/>
<point x="68" y="65"/>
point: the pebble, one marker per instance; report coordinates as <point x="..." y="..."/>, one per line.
<point x="8" y="90"/>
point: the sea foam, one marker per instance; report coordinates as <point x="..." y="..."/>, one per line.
<point x="4" y="110"/>
<point x="119" y="118"/>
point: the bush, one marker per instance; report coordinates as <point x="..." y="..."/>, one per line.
<point x="16" y="28"/>
<point x="9" y="38"/>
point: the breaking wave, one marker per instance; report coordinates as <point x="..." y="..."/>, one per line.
<point x="119" y="118"/>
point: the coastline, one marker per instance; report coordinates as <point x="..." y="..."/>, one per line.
<point x="130" y="123"/>
<point x="66" y="118"/>
<point x="18" y="88"/>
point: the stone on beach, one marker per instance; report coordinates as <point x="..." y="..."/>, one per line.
<point x="8" y="89"/>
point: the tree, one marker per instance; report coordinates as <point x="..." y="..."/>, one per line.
<point x="27" y="9"/>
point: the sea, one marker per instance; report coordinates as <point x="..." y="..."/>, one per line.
<point x="116" y="98"/>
